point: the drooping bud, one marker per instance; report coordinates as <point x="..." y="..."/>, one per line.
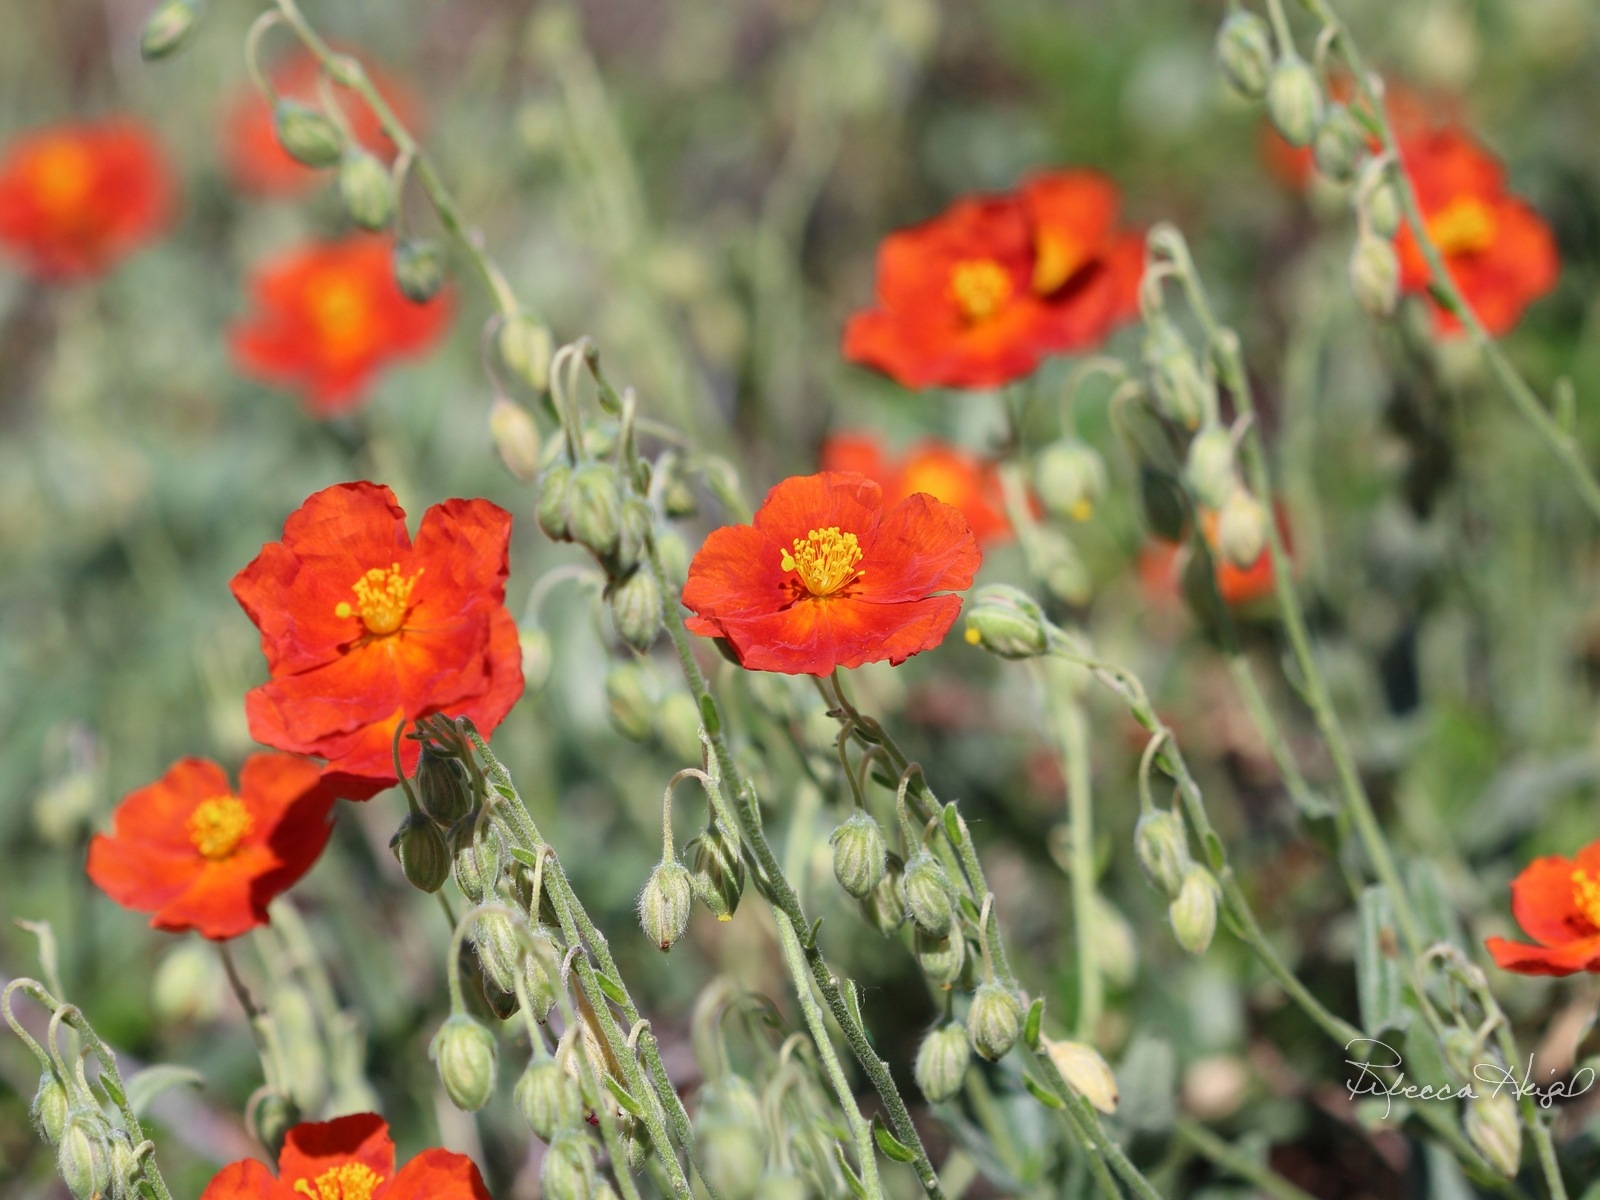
<point x="678" y="499"/>
<point x="594" y="508"/>
<point x="942" y="959"/>
<point x="1339" y="144"/>
<point x="1241" y="529"/>
<point x="1244" y="52"/>
<point x="1380" y="202"/>
<point x="1116" y="948"/>
<point x="1193" y="912"/>
<point x="516" y="438"/>
<point x="636" y="608"/>
<point x="1182" y="392"/>
<point x="189" y="985"/>
<point x="537" y="656"/>
<point x="49" y="1108"/>
<point x="942" y="1062"/>
<point x="678" y="726"/>
<point x="860" y="855"/>
<point x="717" y="870"/>
<point x="994" y="1020"/>
<point x="1006" y="621"/>
<point x="551" y="509"/>
<point x="525" y="347"/>
<point x="673" y="552"/>
<point x="1163" y="849"/>
<point x="477" y="859"/>
<point x="549" y="1098"/>
<point x="418" y="268"/>
<point x="499" y="949"/>
<point x="366" y="189"/>
<point x="420" y="849"/>
<point x="463" y="1052"/>
<point x="731" y="1157"/>
<point x="442" y="787"/>
<point x="1069" y="477"/>
<point x="629" y="701"/>
<point x="636" y="1150"/>
<point x="664" y="904"/>
<point x="637" y="523"/>
<point x="1294" y="100"/>
<point x="927" y="889"/>
<point x="885" y="907"/>
<point x="126" y="1168"/>
<point x="307" y="135"/>
<point x="271" y="1119"/>
<point x="1056" y="560"/>
<point x="1085" y="1072"/>
<point x="1495" y="1130"/>
<point x="1375" y="275"/>
<point x="568" y="1171"/>
<point x="536" y="977"/>
<point x="168" y="28"/>
<point x="83" y="1154"/>
<point x="1209" y="468"/>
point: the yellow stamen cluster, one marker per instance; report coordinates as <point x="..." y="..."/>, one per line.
<point x="341" y="310"/>
<point x="62" y="172"/>
<point x="1464" y="226"/>
<point x="980" y="287"/>
<point x="382" y="597"/>
<point x="349" y="1181"/>
<point x="825" y="560"/>
<point x="1586" y="895"/>
<point x="217" y="826"/>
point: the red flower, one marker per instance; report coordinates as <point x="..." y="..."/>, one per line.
<point x="827" y="578"/>
<point x="256" y="164"/>
<point x="76" y="198"/>
<point x="946" y="473"/>
<point x="350" y="1158"/>
<point x="1495" y="246"/>
<point x="363" y="629"/>
<point x="198" y="855"/>
<point x="328" y="316"/>
<point x="1162" y="565"/>
<point x="1556" y="901"/>
<point x="978" y="295"/>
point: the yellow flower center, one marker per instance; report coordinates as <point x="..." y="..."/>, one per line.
<point x="1586" y="895"/>
<point x="62" y="174"/>
<point x="980" y="286"/>
<point x="1464" y="226"/>
<point x="341" y="310"/>
<point x="350" y="1181"/>
<point x="217" y="826"/>
<point x="1056" y="258"/>
<point x="825" y="560"/>
<point x="382" y="597"/>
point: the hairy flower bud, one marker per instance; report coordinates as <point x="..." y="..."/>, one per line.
<point x="1193" y="911"/>
<point x="477" y="859"/>
<point x="442" y="787"/>
<point x="941" y="959"/>
<point x="994" y="1020"/>
<point x="731" y="1157"/>
<point x="860" y="855"/>
<point x="126" y="1168"/>
<point x="664" y="903"/>
<point x="271" y="1119"/>
<point x="49" y="1108"/>
<point x="1495" y="1130"/>
<point x="678" y="726"/>
<point x="420" y="849"/>
<point x="1244" y="51"/>
<point x="885" y="907"/>
<point x="1210" y="468"/>
<point x="83" y="1154"/>
<point x="717" y="870"/>
<point x="516" y="438"/>
<point x="525" y="348"/>
<point x="1241" y="529"/>
<point x="463" y="1051"/>
<point x="551" y="509"/>
<point x="1339" y="144"/>
<point x="1182" y="392"/>
<point x="306" y="134"/>
<point x="168" y="28"/>
<point x="594" y="508"/>
<point x="942" y="1062"/>
<point x="536" y="977"/>
<point x="636" y="608"/>
<point x="678" y="498"/>
<point x="1069" y="477"/>
<point x="1379" y="201"/>
<point x="927" y="889"/>
<point x="1163" y="849"/>
<point x="1085" y="1072"/>
<point x="499" y="949"/>
<point x="630" y="702"/>
<point x="1294" y="100"/>
<point x="366" y="189"/>
<point x="636" y="524"/>
<point x="418" y="268"/>
<point x="568" y="1170"/>
<point x="549" y="1098"/>
<point x="1006" y="621"/>
<point x="1375" y="275"/>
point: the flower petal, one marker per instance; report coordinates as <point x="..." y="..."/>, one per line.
<point x="1543" y="904"/>
<point x="246" y="1179"/>
<point x="438" y="1175"/>
<point x="1567" y="959"/>
<point x="314" y="1147"/>
<point x="922" y="545"/>
<point x="812" y="637"/>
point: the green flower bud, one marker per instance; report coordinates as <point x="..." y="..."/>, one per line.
<point x="860" y="854"/>
<point x="477" y="862"/>
<point x="536" y="977"/>
<point x="1193" y="912"/>
<point x="549" y="1099"/>
<point x="1380" y="204"/>
<point x="1069" y="477"/>
<point x="942" y="959"/>
<point x="1116" y="949"/>
<point x="678" y="499"/>
<point x="927" y="889"/>
<point x="1085" y="1072"/>
<point x="1375" y="275"/>
<point x="271" y="1119"/>
<point x="418" y="268"/>
<point x="994" y="1020"/>
<point x="1163" y="849"/>
<point x="1495" y="1130"/>
<point x="1339" y="145"/>
<point x="630" y="701"/>
<point x="1006" y="621"/>
<point x="885" y="906"/>
<point x="126" y="1168"/>
<point x="168" y="28"/>
<point x="499" y="949"/>
<point x="594" y="508"/>
<point x="536" y="657"/>
<point x="525" y="348"/>
<point x="463" y="1051"/>
<point x="636" y="608"/>
<point x="636" y="1147"/>
<point x="678" y="726"/>
<point x="633" y="535"/>
<point x="49" y="1108"/>
<point x="1210" y="469"/>
<point x="664" y="903"/>
<point x="1294" y="100"/>
<point x="568" y="1171"/>
<point x="673" y="552"/>
<point x="1056" y="559"/>
<point x="1182" y="392"/>
<point x="442" y="787"/>
<point x="306" y="134"/>
<point x="731" y="1158"/>
<point x="1242" y="529"/>
<point x="717" y="870"/>
<point x="516" y="438"/>
<point x="366" y="189"/>
<point x="189" y="985"/>
<point x="419" y="847"/>
<point x="942" y="1062"/>
<point x="83" y="1155"/>
<point x="551" y="507"/>
<point x="1244" y="51"/>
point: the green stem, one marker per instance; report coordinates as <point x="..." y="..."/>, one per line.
<point x="1072" y="732"/>
<point x="1234" y="1160"/>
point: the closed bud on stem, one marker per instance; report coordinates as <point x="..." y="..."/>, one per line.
<point x="1375" y="275"/>
<point x="126" y="1169"/>
<point x="942" y="959"/>
<point x="636" y="608"/>
<point x="49" y="1108"/>
<point x="1069" y="478"/>
<point x="717" y="870"/>
<point x="499" y="949"/>
<point x="1085" y="1072"/>
<point x="1495" y="1130"/>
<point x="568" y="1171"/>
<point x="994" y="1020"/>
<point x="677" y="498"/>
<point x="1379" y="201"/>
<point x="306" y="134"/>
<point x="1193" y="912"/>
<point x="629" y="701"/>
<point x="1241" y="529"/>
<point x="1162" y="845"/>
<point x="537" y="656"/>
<point x="366" y="189"/>
<point x="1339" y="144"/>
<point x="419" y="268"/>
<point x="168" y="28"/>
<point x="83" y="1155"/>
<point x="678" y="726"/>
<point x="273" y="1115"/>
<point x="1181" y="390"/>
<point x="550" y="509"/>
<point x="1116" y="947"/>
<point x="731" y="1157"/>
<point x="477" y="860"/>
<point x="1244" y="52"/>
<point x="942" y="1062"/>
<point x="636" y="1150"/>
<point x="420" y="849"/>
<point x="549" y="1099"/>
<point x="633" y="536"/>
<point x="594" y="508"/>
<point x="463" y="1052"/>
<point x="536" y="977"/>
<point x="860" y="855"/>
<point x="927" y="889"/>
<point x="516" y="438"/>
<point x="1294" y="100"/>
<point x="1007" y="621"/>
<point x="885" y="907"/>
<point x="525" y="347"/>
<point x="442" y="787"/>
<point x="664" y="903"/>
<point x="1056" y="560"/>
<point x="1210" y="466"/>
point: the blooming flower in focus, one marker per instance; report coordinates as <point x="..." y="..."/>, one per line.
<point x="76" y="198"/>
<point x="1496" y="248"/>
<point x="349" y="1158"/>
<point x="978" y="295"/>
<point x="327" y="316"/>
<point x="197" y="854"/>
<point x="363" y="629"/>
<point x="1556" y="901"/>
<point x="944" y="472"/>
<point x="827" y="577"/>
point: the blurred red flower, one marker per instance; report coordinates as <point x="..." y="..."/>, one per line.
<point x="978" y="295"/>
<point x="349" y="1158"/>
<point x="363" y="629"/>
<point x="826" y="577"/>
<point x="1162" y="565"/>
<point x="254" y="161"/>
<point x="197" y="855"/>
<point x="75" y="198"/>
<point x="327" y="317"/>
<point x="1556" y="901"/>
<point x="945" y="472"/>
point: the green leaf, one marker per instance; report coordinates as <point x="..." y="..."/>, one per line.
<point x="969" y="908"/>
<point x="851" y="1179"/>
<point x="49" y="959"/>
<point x="1379" y="978"/>
<point x="1041" y="1093"/>
<point x="152" y="1081"/>
<point x="1436" y="911"/>
<point x="614" y="991"/>
<point x="952" y="825"/>
<point x="892" y="1146"/>
<point x="528" y="858"/>
<point x="624" y="1097"/>
<point x="510" y="793"/>
<point x="113" y="1089"/>
<point x="1030" y="1027"/>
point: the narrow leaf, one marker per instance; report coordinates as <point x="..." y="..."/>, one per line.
<point x="892" y="1146"/>
<point x="1030" y="1027"/>
<point x="1041" y="1093"/>
<point x="152" y="1081"/>
<point x="625" y="1098"/>
<point x="614" y="991"/>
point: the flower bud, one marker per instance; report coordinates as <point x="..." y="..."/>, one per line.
<point x="1339" y="144"/>
<point x="1294" y="101"/>
<point x="633" y="535"/>
<point x="1380" y="204"/>
<point x="860" y="854"/>
<point x="442" y="787"/>
<point x="1182" y="392"/>
<point x="499" y="949"/>
<point x="1056" y="560"/>
<point x="550" y="509"/>
<point x="717" y="870"/>
<point x="126" y="1169"/>
<point x="537" y="656"/>
<point x="1116" y="947"/>
<point x="418" y="268"/>
<point x="678" y="726"/>
<point x="1241" y="529"/>
<point x="1209" y="469"/>
<point x="927" y="889"/>
<point x="942" y="1062"/>
<point x="1193" y="912"/>
<point x="568" y="1171"/>
<point x="1006" y="621"/>
<point x="636" y="608"/>
<point x="549" y="1098"/>
<point x="993" y="1021"/>
<point x="1069" y="478"/>
<point x="49" y="1108"/>
<point x="1244" y="52"/>
<point x="1085" y="1072"/>
<point x="477" y="860"/>
<point x="678" y="499"/>
<point x="366" y="189"/>
<point x="168" y="28"/>
<point x="272" y="1118"/>
<point x="83" y="1155"/>
<point x="1495" y="1130"/>
<point x="885" y="906"/>
<point x="306" y="134"/>
<point x="629" y="701"/>
<point x="419" y="848"/>
<point x="189" y="985"/>
<point x="664" y="903"/>
<point x="1375" y="275"/>
<point x="536" y="978"/>
<point x="463" y="1051"/>
<point x="636" y="1150"/>
<point x="730" y="1156"/>
<point x="942" y="959"/>
<point x="525" y="348"/>
<point x="673" y="552"/>
<point x="594" y="508"/>
<point x="516" y="438"/>
<point x="1163" y="849"/>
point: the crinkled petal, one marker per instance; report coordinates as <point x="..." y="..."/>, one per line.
<point x="922" y="545"/>
<point x="311" y="1148"/>
<point x="1566" y="959"/>
<point x="813" y="637"/>
<point x="438" y="1175"/>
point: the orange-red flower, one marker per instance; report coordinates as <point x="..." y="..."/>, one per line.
<point x="76" y="198"/>
<point x="1556" y="901"/>
<point x="946" y="473"/>
<point x="1496" y="248"/>
<point x="827" y="577"/>
<point x="349" y="1158"/>
<point x="196" y="854"/>
<point x="363" y="629"/>
<point x="327" y="317"/>
<point x="978" y="295"/>
<point x="1162" y="565"/>
<point x="254" y="161"/>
